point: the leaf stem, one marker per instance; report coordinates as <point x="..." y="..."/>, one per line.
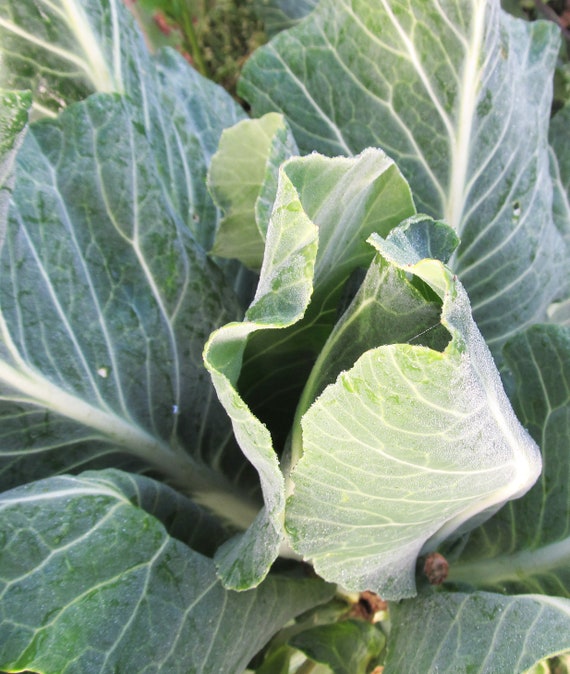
<point x="514" y="568"/>
<point x="208" y="487"/>
<point x="188" y="25"/>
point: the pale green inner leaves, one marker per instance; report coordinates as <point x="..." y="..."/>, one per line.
<point x="314" y="242"/>
<point x="242" y="179"/>
<point x="406" y="447"/>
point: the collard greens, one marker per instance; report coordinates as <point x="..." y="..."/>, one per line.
<point x="332" y="333"/>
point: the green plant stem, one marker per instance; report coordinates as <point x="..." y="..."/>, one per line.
<point x="190" y="33"/>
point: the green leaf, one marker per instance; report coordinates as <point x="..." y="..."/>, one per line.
<point x="302" y="262"/>
<point x="458" y="94"/>
<point x="526" y="546"/>
<point x="560" y="168"/>
<point x="476" y="633"/>
<point x="284" y="290"/>
<point x="348" y="199"/>
<point x="276" y="663"/>
<point x="243" y="182"/>
<point x="14" y="107"/>
<point x="278" y="15"/>
<point x="406" y="447"/>
<point x="105" y="304"/>
<point x="185" y="115"/>
<point x="86" y="571"/>
<point x="347" y="647"/>
<point x="65" y="50"/>
<point x="388" y="308"/>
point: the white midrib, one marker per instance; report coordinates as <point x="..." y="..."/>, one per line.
<point x="211" y="489"/>
<point x="102" y="77"/>
<point x="461" y="143"/>
<point x="94" y="65"/>
<point x="42" y="392"/>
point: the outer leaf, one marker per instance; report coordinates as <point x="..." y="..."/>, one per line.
<point x="296" y="269"/>
<point x="526" y="547"/>
<point x="347" y="647"/>
<point x="560" y="168"/>
<point x="185" y="115"/>
<point x="84" y="572"/>
<point x="65" y="50"/>
<point x="106" y="302"/>
<point x="14" y="108"/>
<point x="243" y="181"/>
<point x="458" y="93"/>
<point x="405" y="448"/>
<point x="478" y="633"/>
<point x="280" y="14"/>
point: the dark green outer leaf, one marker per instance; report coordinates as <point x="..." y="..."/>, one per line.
<point x="65" y="50"/>
<point x="185" y="114"/>
<point x="560" y="168"/>
<point x="92" y="584"/>
<point x="278" y="15"/>
<point x="181" y="517"/>
<point x="106" y="302"/>
<point x="14" y="107"/>
<point x="452" y="92"/>
<point x="480" y="633"/>
<point x="526" y="546"/>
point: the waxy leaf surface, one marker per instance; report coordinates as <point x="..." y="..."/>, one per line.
<point x="526" y="546"/>
<point x="480" y="633"/>
<point x="243" y="182"/>
<point x="458" y="94"/>
<point x="63" y="51"/>
<point x="66" y="609"/>
<point x="314" y="242"/>
<point x="106" y="301"/>
<point x="347" y="647"/>
<point x="406" y="447"/>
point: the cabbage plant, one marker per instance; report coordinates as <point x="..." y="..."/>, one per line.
<point x="284" y="391"/>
